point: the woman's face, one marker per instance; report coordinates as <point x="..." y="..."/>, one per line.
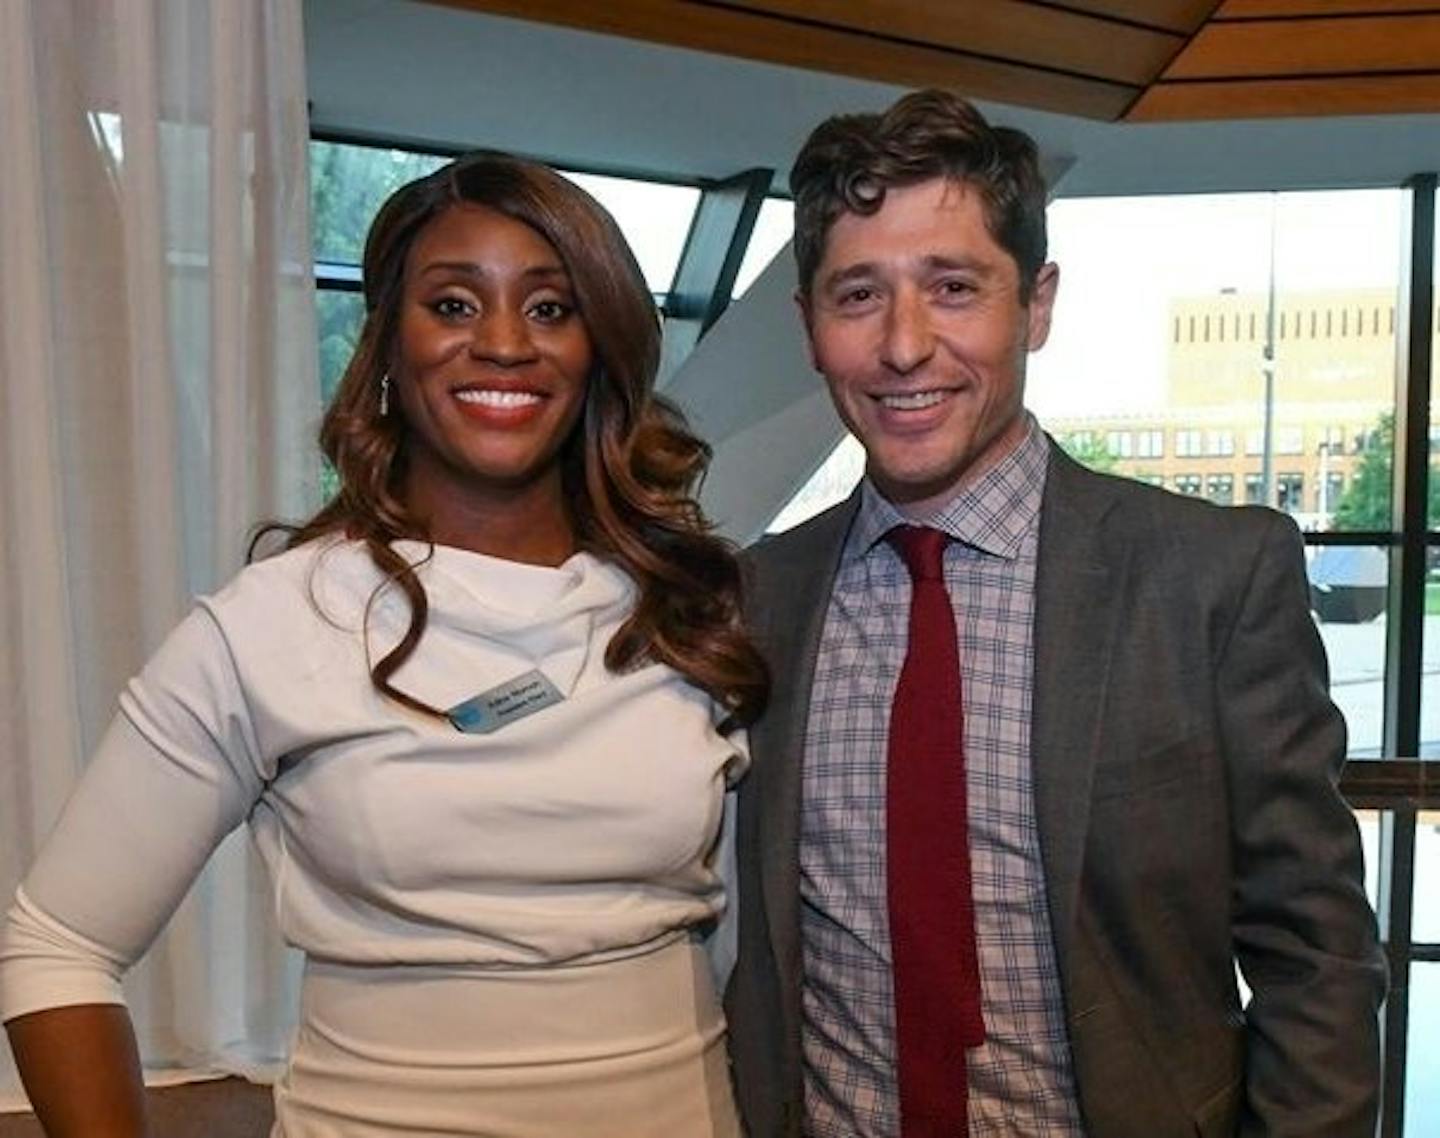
<point x="493" y="360"/>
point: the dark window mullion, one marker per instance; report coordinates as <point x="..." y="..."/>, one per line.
<point x="1406" y="625"/>
<point x="1396" y="911"/>
<point x="1405" y="633"/>
<point x="339" y="277"/>
<point x="1350" y="537"/>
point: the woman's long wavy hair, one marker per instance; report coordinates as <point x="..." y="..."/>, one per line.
<point x="630" y="468"/>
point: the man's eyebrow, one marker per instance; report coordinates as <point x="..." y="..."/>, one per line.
<point x="930" y="263"/>
<point x="858" y="271"/>
<point x="944" y="262"/>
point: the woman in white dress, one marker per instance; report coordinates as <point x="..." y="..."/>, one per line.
<point x="479" y="717"/>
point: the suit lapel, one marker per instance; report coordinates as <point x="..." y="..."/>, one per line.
<point x="1079" y="583"/>
<point x="793" y="595"/>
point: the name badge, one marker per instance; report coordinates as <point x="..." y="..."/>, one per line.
<point x="514" y="699"/>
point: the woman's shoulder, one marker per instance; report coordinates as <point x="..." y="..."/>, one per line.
<point x="328" y="573"/>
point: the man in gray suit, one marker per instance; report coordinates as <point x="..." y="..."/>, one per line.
<point x="1149" y="749"/>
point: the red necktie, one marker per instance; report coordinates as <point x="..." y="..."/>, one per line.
<point x="932" y="914"/>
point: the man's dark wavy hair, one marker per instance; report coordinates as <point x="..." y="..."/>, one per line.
<point x="850" y="161"/>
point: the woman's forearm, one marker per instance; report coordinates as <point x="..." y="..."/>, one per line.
<point x="81" y="1070"/>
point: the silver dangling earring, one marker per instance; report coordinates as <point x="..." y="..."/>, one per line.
<point x="385" y="395"/>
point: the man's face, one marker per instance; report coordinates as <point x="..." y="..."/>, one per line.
<point x="915" y="320"/>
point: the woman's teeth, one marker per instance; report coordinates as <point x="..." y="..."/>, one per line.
<point x="497" y="398"/>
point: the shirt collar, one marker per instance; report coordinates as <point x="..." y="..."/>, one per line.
<point x="992" y="514"/>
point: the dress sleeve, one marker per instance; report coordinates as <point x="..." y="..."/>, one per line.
<point x="177" y="770"/>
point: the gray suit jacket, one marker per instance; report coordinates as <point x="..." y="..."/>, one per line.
<point x="1185" y="758"/>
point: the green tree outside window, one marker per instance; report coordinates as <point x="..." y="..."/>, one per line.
<point x="1366" y="502"/>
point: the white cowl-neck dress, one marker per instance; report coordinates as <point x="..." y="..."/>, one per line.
<point x="501" y="931"/>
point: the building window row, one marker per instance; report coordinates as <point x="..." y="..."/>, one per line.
<point x="1305" y="324"/>
<point x="1192" y="442"/>
<point x="1220" y="489"/>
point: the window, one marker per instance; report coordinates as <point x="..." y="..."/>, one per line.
<point x="347" y="185"/>
<point x="1150" y="444"/>
<point x="773" y="230"/>
<point x="654" y="216"/>
<point x="1290" y="440"/>
<point x="338" y="315"/>
<point x="1220" y="489"/>
<point x="1422" y="1103"/>
<point x="1187" y="444"/>
<point x="1289" y="492"/>
<point x="1220" y="443"/>
<point x="1119" y="444"/>
<point x="1426" y="917"/>
<point x="1188" y="484"/>
<point x="1329" y="491"/>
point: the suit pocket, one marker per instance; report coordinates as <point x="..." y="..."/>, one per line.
<point x="1184" y="760"/>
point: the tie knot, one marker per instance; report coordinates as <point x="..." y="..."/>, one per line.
<point x="923" y="549"/>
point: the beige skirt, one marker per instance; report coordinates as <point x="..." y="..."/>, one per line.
<point x="628" y="1048"/>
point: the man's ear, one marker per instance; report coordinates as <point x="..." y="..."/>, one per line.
<point x="1042" y="305"/>
<point x="802" y="302"/>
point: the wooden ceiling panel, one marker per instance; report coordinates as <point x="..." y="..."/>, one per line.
<point x="1011" y="30"/>
<point x="775" y="39"/>
<point x="1182" y="16"/>
<point x="1295" y="98"/>
<point x="1288" y="9"/>
<point x="1323" y="46"/>
<point x="1140" y="60"/>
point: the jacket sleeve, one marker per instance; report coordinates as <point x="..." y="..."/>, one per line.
<point x="1304" y="933"/>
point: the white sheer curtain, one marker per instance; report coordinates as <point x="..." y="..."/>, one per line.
<point x="157" y="396"/>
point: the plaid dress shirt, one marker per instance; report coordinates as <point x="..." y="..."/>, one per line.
<point x="1020" y="1080"/>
